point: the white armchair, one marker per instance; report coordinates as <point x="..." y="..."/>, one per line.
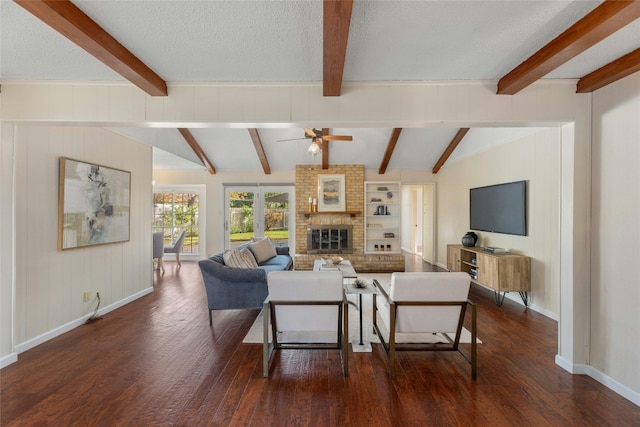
<point x="424" y="303"/>
<point x="305" y="310"/>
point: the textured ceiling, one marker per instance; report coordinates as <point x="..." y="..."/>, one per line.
<point x="281" y="41"/>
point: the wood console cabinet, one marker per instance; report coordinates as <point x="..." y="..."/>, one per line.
<point x="501" y="272"/>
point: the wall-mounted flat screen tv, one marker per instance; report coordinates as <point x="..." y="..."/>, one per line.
<point x="500" y="208"/>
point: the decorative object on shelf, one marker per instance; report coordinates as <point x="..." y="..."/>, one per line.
<point x="375" y="248"/>
<point x="93" y="204"/>
<point x="470" y="239"/>
<point x="389" y="195"/>
<point x="375" y="199"/>
<point x="382" y="188"/>
<point x="388" y="248"/>
<point x="382" y="210"/>
<point x="389" y="235"/>
<point x="495" y="250"/>
<point x="331" y="193"/>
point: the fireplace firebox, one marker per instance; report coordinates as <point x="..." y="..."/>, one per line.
<point x="330" y="239"/>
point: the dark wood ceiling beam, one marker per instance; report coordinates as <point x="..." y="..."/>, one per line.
<point x="325" y="149"/>
<point x="66" y="18"/>
<point x="391" y="145"/>
<point x="186" y="134"/>
<point x="336" y="21"/>
<point x="257" y="143"/>
<point x="449" y="150"/>
<point x="604" y="20"/>
<point x="613" y="71"/>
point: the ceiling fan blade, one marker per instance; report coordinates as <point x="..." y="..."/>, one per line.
<point x="292" y="139"/>
<point x="310" y="133"/>
<point x="338" y="137"/>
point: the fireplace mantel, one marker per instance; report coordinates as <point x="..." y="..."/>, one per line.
<point x="350" y="213"/>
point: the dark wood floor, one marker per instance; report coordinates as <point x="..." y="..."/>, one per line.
<point x="156" y="361"/>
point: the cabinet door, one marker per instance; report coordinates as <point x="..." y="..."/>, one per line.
<point x="488" y="271"/>
<point x="453" y="258"/>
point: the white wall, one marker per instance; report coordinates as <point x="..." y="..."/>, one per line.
<point x="536" y="159"/>
<point x="406" y="236"/>
<point x="7" y="252"/>
<point x="429" y="223"/>
<point x="615" y="288"/>
<point x="50" y="283"/>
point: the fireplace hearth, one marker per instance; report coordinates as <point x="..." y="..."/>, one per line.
<point x="330" y="239"/>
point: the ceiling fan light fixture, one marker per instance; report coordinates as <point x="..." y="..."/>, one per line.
<point x="314" y="148"/>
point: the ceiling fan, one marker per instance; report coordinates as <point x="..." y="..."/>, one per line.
<point x="318" y="136"/>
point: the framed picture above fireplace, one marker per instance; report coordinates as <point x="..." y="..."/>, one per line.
<point x="331" y="193"/>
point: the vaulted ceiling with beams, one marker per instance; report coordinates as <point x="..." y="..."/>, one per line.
<point x="154" y="44"/>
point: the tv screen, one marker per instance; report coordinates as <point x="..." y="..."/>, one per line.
<point x="500" y="208"/>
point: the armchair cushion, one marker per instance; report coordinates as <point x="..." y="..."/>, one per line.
<point x="306" y="286"/>
<point x="426" y="286"/>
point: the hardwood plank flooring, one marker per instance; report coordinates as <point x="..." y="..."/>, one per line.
<point x="156" y="361"/>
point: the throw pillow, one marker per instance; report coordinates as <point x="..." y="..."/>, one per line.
<point x="249" y="257"/>
<point x="242" y="258"/>
<point x="263" y="250"/>
<point x="257" y="239"/>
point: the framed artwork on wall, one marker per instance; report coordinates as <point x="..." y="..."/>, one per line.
<point x="331" y="193"/>
<point x="93" y="204"/>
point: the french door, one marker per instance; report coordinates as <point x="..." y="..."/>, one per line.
<point x="256" y="211"/>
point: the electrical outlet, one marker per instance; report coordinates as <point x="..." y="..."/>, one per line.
<point x="87" y="296"/>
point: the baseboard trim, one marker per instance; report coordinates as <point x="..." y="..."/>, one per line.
<point x="8" y="360"/>
<point x="602" y="378"/>
<point x="40" y="339"/>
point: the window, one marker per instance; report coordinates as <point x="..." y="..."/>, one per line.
<point x="174" y="212"/>
<point x="252" y="210"/>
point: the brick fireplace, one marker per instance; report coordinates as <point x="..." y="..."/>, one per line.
<point x="352" y="218"/>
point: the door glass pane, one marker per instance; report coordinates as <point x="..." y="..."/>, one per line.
<point x="174" y="212"/>
<point x="241" y="217"/>
<point x="186" y="218"/>
<point x="276" y="217"/>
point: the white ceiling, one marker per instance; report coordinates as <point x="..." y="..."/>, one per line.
<point x="281" y="41"/>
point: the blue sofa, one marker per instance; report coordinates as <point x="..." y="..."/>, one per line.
<point x="233" y="288"/>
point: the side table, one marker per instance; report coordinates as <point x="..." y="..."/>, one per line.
<point x="350" y="289"/>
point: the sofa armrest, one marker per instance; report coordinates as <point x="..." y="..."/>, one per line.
<point x="282" y="250"/>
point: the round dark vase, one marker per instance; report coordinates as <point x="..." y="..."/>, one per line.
<point x="469" y="239"/>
